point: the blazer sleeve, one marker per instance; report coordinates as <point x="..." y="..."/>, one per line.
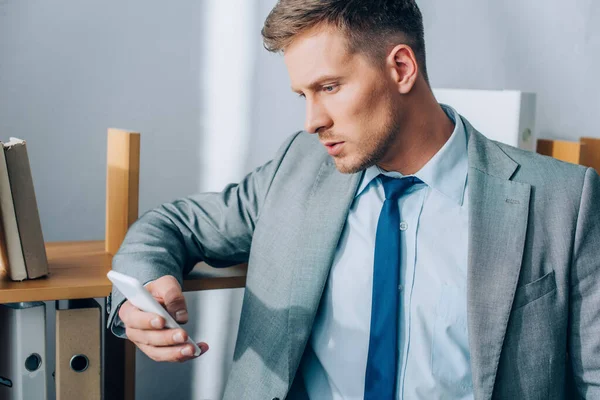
<point x="584" y="316"/>
<point x="213" y="227"/>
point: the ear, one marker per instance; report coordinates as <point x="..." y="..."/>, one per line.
<point x="402" y="64"/>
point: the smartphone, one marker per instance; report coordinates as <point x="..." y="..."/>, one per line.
<point x="137" y="294"/>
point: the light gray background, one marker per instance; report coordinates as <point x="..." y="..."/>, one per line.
<point x="70" y="69"/>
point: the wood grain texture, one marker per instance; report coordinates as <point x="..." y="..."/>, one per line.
<point x="205" y="277"/>
<point x="590" y="153"/>
<point x="122" y="185"/>
<point x="78" y="271"/>
<point x="562" y="150"/>
<point x="122" y="199"/>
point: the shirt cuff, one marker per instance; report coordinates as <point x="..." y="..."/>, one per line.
<point x="118" y="327"/>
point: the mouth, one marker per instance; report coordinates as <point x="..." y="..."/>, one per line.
<point x="334" y="148"/>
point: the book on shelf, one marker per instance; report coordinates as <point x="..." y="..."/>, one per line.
<point x="3" y="253"/>
<point x="22" y="238"/>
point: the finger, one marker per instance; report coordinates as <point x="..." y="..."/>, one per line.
<point x="135" y="318"/>
<point x="178" y="353"/>
<point x="157" y="338"/>
<point x="168" y="291"/>
<point x="203" y="347"/>
<point x="175" y="305"/>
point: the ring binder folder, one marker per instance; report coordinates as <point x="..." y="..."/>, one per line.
<point x="78" y="350"/>
<point x="23" y="351"/>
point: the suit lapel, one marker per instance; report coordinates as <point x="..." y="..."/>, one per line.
<point x="499" y="210"/>
<point x="498" y="216"/>
<point x="326" y="212"/>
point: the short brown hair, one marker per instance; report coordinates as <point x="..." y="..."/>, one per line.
<point x="370" y="25"/>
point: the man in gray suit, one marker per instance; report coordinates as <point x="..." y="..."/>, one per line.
<point x="393" y="251"/>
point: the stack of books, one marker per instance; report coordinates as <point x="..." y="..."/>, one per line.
<point x="22" y="249"/>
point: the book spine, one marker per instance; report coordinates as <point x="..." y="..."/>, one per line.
<point x="11" y="242"/>
<point x="3" y="250"/>
<point x="26" y="210"/>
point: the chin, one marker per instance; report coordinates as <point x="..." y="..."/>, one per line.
<point x="351" y="166"/>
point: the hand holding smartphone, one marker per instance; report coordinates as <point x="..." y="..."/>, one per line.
<point x="137" y="295"/>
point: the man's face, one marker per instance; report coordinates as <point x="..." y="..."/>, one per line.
<point x="350" y="102"/>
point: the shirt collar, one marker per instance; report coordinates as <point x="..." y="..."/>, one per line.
<point x="447" y="170"/>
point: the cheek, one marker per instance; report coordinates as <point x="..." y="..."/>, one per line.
<point x="357" y="108"/>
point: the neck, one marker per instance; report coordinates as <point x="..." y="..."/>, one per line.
<point x="425" y="130"/>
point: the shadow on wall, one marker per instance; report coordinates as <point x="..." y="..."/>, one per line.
<point x="214" y="319"/>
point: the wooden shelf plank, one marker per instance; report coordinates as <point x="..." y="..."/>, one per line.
<point x="205" y="277"/>
<point x="78" y="270"/>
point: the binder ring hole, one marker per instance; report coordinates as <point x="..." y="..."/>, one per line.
<point x="33" y="362"/>
<point x="79" y="363"/>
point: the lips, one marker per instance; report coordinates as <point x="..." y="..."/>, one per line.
<point x="334" y="148"/>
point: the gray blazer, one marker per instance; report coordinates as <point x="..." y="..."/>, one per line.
<point x="533" y="274"/>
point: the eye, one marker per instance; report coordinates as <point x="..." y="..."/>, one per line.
<point x="329" y="88"/>
<point x="301" y="95"/>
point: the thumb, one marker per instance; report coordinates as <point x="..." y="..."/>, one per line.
<point x="168" y="292"/>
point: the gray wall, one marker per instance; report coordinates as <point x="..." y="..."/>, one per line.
<point x="550" y="47"/>
<point x="277" y="112"/>
<point x="70" y="69"/>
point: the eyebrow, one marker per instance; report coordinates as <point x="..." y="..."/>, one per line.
<point x="318" y="82"/>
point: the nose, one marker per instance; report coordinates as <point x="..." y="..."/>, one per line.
<point x="317" y="117"/>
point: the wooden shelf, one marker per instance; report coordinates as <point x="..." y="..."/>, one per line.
<point x="78" y="270"/>
<point x="205" y="277"/>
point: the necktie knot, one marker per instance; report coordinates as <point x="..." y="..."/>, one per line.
<point x="396" y="187"/>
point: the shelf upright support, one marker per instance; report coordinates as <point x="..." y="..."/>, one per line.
<point x="122" y="186"/>
<point x="122" y="199"/>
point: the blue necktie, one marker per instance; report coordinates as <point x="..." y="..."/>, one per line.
<point x="382" y="361"/>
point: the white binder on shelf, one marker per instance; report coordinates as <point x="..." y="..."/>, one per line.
<point x="507" y="116"/>
<point x="23" y="351"/>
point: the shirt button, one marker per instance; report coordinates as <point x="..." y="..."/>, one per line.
<point x="403" y="226"/>
<point x="400" y="287"/>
